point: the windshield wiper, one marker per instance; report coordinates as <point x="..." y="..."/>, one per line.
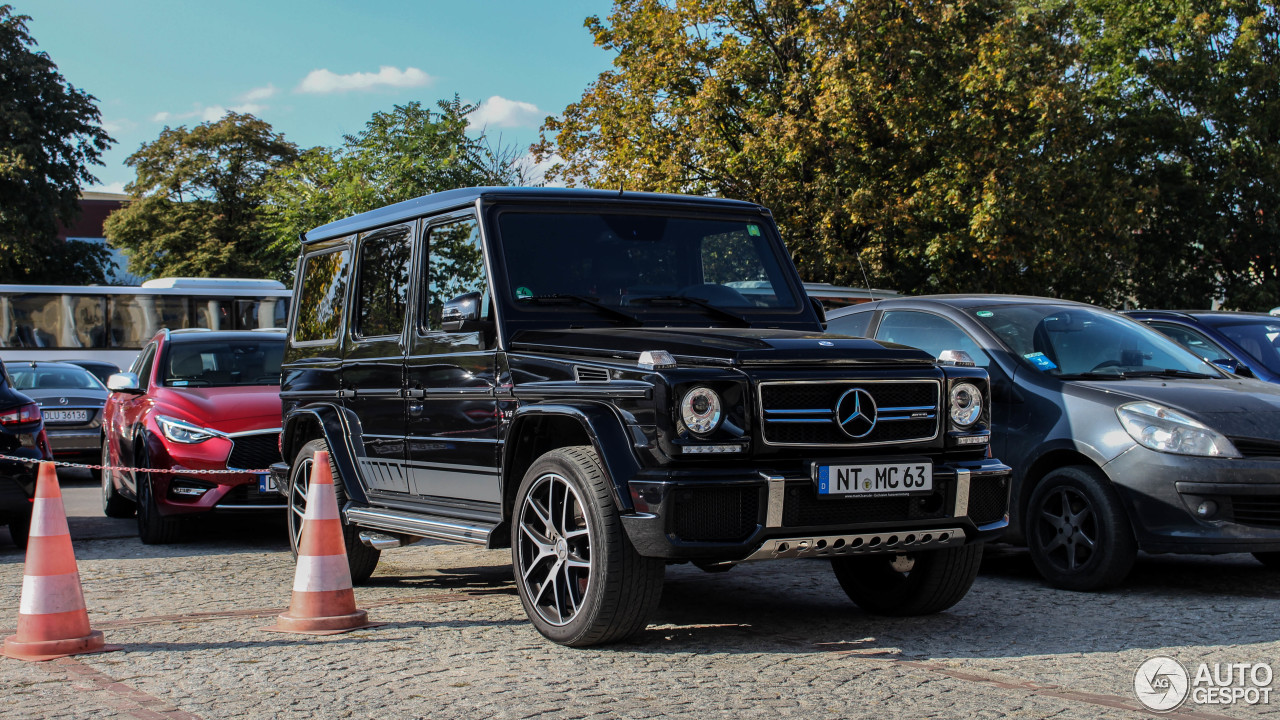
<point x="613" y="312"/>
<point x="1168" y="372"/>
<point x="1090" y="376"/>
<point x="734" y="317"/>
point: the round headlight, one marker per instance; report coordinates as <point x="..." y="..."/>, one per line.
<point x="700" y="410"/>
<point x="966" y="404"/>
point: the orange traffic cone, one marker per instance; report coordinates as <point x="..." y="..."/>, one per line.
<point x="324" y="602"/>
<point x="52" y="620"/>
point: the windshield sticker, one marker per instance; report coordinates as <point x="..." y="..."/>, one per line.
<point x="985" y="313"/>
<point x="179" y="383"/>
<point x="523" y="292"/>
<point x="753" y="230"/>
<point x="1040" y="361"/>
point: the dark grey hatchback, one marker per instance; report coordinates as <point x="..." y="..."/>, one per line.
<point x="1119" y="438"/>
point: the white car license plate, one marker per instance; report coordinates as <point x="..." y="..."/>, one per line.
<point x="266" y="483"/>
<point x="67" y="416"/>
<point x="879" y="479"/>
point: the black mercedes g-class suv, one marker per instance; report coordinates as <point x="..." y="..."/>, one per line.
<point x="609" y="382"/>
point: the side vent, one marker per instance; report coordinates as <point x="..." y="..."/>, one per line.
<point x="590" y="375"/>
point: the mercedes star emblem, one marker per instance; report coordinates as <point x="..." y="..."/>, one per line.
<point x="856" y="413"/>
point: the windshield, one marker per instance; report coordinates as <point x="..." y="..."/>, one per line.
<point x="636" y="264"/>
<point x="1082" y="341"/>
<point x="54" y="378"/>
<point x="1256" y="337"/>
<point x="224" y="363"/>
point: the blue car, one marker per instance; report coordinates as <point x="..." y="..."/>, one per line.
<point x="1242" y="342"/>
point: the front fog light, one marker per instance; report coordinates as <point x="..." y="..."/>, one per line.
<point x="700" y="410"/>
<point x="1207" y="509"/>
<point x="966" y="404"/>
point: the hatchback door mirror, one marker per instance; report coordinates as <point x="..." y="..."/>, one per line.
<point x="1233" y="366"/>
<point x="126" y="382"/>
<point x="462" y="314"/>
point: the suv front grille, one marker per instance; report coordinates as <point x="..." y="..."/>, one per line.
<point x="988" y="499"/>
<point x="803" y="413"/>
<point x="716" y="514"/>
<point x="254" y="452"/>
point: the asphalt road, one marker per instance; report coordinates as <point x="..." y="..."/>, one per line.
<point x="765" y="640"/>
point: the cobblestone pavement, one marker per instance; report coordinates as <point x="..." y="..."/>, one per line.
<point x="762" y="641"/>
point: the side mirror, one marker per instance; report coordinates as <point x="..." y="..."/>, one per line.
<point x="818" y="308"/>
<point x="125" y="382"/>
<point x="462" y="314"/>
<point x="1233" y="366"/>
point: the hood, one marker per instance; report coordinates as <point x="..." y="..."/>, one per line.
<point x="730" y="346"/>
<point x="227" y="409"/>
<point x="1235" y="407"/>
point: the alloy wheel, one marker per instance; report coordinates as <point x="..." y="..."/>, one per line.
<point x="1068" y="529"/>
<point x="554" y="549"/>
<point x="298" y="501"/>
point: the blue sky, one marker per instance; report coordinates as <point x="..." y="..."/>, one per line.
<point x="315" y="69"/>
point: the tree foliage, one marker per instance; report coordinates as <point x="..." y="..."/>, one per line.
<point x="50" y="137"/>
<point x="402" y="154"/>
<point x="198" y="196"/>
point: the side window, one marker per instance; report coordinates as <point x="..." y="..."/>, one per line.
<point x="929" y="332"/>
<point x="321" y="296"/>
<point x="852" y="324"/>
<point x="142" y="365"/>
<point x="455" y="265"/>
<point x="383" y="289"/>
<point x="1195" y="342"/>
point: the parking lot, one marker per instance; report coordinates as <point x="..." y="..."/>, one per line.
<point x="764" y="640"/>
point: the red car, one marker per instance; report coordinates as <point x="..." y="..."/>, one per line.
<point x="197" y="400"/>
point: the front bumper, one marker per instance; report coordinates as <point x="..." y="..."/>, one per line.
<point x="748" y="513"/>
<point x="182" y="494"/>
<point x="1162" y="492"/>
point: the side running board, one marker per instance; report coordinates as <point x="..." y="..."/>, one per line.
<point x="427" y="526"/>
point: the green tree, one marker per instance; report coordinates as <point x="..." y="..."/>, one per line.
<point x="1190" y="93"/>
<point x="50" y="136"/>
<point x="402" y="154"/>
<point x="946" y="146"/>
<point x="198" y="197"/>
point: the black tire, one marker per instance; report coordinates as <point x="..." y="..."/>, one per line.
<point x="114" y="505"/>
<point x="920" y="583"/>
<point x="1270" y="559"/>
<point x="20" y="530"/>
<point x="1077" y="531"/>
<point x="361" y="559"/>
<point x="153" y="528"/>
<point x="609" y="590"/>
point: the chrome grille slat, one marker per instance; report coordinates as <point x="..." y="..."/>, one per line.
<point x="801" y="413"/>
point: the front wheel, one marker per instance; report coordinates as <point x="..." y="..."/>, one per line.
<point x="362" y="560"/>
<point x="580" y="580"/>
<point x="153" y="528"/>
<point x="909" y="584"/>
<point x="1078" y="534"/>
<point x="114" y="505"/>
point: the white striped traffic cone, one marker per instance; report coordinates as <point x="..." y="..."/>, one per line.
<point x="324" y="603"/>
<point x="52" y="619"/>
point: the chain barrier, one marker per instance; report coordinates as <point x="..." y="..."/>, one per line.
<point x="122" y="468"/>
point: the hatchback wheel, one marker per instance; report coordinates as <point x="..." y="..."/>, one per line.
<point x="362" y="560"/>
<point x="1078" y="534"/>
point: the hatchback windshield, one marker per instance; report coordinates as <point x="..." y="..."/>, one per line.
<point x="1082" y="342"/>
<point x="224" y="362"/>
<point x="635" y="264"/>
<point x="54" y="378"/>
<point x="1257" y="337"/>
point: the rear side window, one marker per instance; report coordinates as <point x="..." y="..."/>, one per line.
<point x="321" y="296"/>
<point x="384" y="283"/>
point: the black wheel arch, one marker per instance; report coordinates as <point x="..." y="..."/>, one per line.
<point x="340" y="429"/>
<point x="1028" y="475"/>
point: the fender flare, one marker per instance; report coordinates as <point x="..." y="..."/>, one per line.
<point x="341" y="430"/>
<point x="606" y="431"/>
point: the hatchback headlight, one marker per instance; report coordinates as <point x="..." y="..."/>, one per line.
<point x="700" y="410"/>
<point x="180" y="431"/>
<point x="966" y="404"/>
<point x="1167" y="430"/>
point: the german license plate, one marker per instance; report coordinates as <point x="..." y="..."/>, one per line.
<point x="66" y="416"/>
<point x="877" y="479"/>
<point x="266" y="483"/>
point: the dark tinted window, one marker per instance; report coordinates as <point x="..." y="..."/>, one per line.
<point x="852" y="324"/>
<point x="455" y="266"/>
<point x="253" y="361"/>
<point x="321" y="296"/>
<point x="384" y="284"/>
<point x="1257" y="338"/>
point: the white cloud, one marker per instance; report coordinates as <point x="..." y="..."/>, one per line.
<point x="118" y="125"/>
<point x="261" y="93"/>
<point x="209" y="113"/>
<point x="535" y="172"/>
<point x="323" y="81"/>
<point x="498" y="111"/>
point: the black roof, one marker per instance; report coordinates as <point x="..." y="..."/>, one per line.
<point x="463" y="197"/>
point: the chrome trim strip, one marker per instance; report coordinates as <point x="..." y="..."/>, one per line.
<point x="962" y="493"/>
<point x="245" y="433"/>
<point x="427" y="526"/>
<point x="777" y="492"/>
<point x="937" y="429"/>
<point x="858" y="544"/>
<point x="605" y="390"/>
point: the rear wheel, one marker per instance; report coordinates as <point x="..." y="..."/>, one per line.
<point x="581" y="581"/>
<point x="1078" y="534"/>
<point x="361" y="559"/>
<point x="114" y="505"/>
<point x="1270" y="559"/>
<point x="153" y="528"/>
<point x="909" y="584"/>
